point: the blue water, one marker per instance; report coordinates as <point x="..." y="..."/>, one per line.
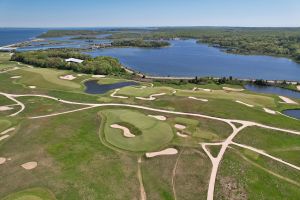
<point x="182" y="58"/>
<point x="187" y="58"/>
<point x="93" y="87"/>
<point x="15" y="35"/>
<point x="273" y="90"/>
<point x="292" y="113"/>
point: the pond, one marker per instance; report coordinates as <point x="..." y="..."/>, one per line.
<point x="93" y="87"/>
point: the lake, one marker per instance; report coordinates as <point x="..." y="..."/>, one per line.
<point x="93" y="87"/>
<point x="187" y="58"/>
<point x="182" y="58"/>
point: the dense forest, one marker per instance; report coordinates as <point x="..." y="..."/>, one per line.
<point x="62" y="33"/>
<point x="139" y="43"/>
<point x="55" y="58"/>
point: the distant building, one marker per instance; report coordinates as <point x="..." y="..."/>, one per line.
<point x="74" y="60"/>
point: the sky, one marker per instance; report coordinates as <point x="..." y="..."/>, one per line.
<point x="146" y="13"/>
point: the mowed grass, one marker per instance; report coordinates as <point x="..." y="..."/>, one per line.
<point x="155" y="134"/>
<point x="240" y="177"/>
<point x="279" y="144"/>
<point x="45" y="78"/>
<point x="72" y="162"/>
<point x="31" y="194"/>
<point x="37" y="106"/>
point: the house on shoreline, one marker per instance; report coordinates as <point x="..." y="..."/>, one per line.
<point x="74" y="60"/>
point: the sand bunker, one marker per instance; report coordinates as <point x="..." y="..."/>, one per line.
<point x="29" y="165"/>
<point x="143" y="87"/>
<point x="198" y="99"/>
<point x="3" y="137"/>
<point x="287" y="100"/>
<point x="32" y="87"/>
<point x="179" y="126"/>
<point x="194" y="89"/>
<point x="2" y="160"/>
<point x="270" y="111"/>
<point x="298" y="87"/>
<point x="15" y="77"/>
<point x="68" y="77"/>
<point x="126" y="131"/>
<point x="158" y="117"/>
<point x="205" y="90"/>
<point x="182" y="135"/>
<point x="249" y="105"/>
<point x="233" y="89"/>
<point x="98" y="76"/>
<point x="169" y="151"/>
<point x="115" y="96"/>
<point x="151" y="98"/>
<point x="174" y="92"/>
<point x="5" y="108"/>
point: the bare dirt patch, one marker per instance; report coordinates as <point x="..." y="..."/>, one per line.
<point x="2" y="160"/>
<point x="232" y="190"/>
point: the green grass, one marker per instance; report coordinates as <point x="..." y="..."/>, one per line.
<point x="155" y="134"/>
<point x="31" y="194"/>
<point x="248" y="179"/>
<point x="4" y="124"/>
<point x="279" y="144"/>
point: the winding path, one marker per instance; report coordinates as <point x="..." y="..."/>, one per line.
<point x="215" y="160"/>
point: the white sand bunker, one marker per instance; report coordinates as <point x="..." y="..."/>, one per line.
<point x="158" y="117"/>
<point x="198" y="99"/>
<point x="298" y="87"/>
<point x="151" y="98"/>
<point x="174" y="92"/>
<point x="5" y="108"/>
<point x="68" y="77"/>
<point x="98" y="76"/>
<point x="29" y="165"/>
<point x="287" y="100"/>
<point x="32" y="87"/>
<point x="179" y="126"/>
<point x="270" y="111"/>
<point x="169" y="151"/>
<point x="15" y="77"/>
<point x="126" y="131"/>
<point x="181" y="135"/>
<point x="245" y="104"/>
<point x="232" y="89"/>
<point x="115" y="96"/>
<point x="2" y="160"/>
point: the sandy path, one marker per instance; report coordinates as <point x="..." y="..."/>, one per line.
<point x="115" y="96"/>
<point x="174" y="175"/>
<point x="151" y="98"/>
<point x="140" y="177"/>
<point x="16" y="77"/>
<point x="4" y="137"/>
<point x="265" y="154"/>
<point x="9" y="70"/>
<point x="158" y="117"/>
<point x="11" y="97"/>
<point x="126" y="131"/>
<point x="169" y="151"/>
<point x="245" y="104"/>
<point x="7" y="131"/>
<point x="287" y="100"/>
<point x="198" y="99"/>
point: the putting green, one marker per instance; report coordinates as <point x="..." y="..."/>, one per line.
<point x="31" y="194"/>
<point x="155" y="134"/>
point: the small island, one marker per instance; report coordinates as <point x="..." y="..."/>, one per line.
<point x="140" y="43"/>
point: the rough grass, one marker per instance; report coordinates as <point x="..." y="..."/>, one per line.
<point x="279" y="144"/>
<point x="246" y="179"/>
<point x="4" y="124"/>
<point x="31" y="194"/>
<point x="72" y="162"/>
<point x="155" y="134"/>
